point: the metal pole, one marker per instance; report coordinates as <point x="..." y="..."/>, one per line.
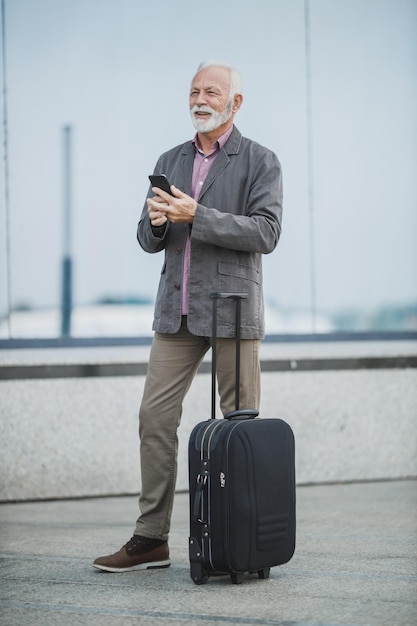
<point x="66" y="301"/>
<point x="6" y="173"/>
<point x="310" y="164"/>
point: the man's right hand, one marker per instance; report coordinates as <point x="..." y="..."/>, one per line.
<point x="157" y="214"/>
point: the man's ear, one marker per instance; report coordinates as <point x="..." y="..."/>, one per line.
<point x="237" y="102"/>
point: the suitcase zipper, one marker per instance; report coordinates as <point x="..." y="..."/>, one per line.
<point x="204" y="479"/>
<point x="226" y="496"/>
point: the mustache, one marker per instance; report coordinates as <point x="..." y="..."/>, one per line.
<point x="202" y="109"/>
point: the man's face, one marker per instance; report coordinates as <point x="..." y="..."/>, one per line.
<point x="210" y="102"/>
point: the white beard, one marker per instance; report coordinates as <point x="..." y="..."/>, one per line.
<point x="215" y="120"/>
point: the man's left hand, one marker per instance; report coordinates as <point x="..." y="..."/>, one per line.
<point x="179" y="208"/>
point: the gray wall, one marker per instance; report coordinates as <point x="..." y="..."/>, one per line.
<point x="70" y="437"/>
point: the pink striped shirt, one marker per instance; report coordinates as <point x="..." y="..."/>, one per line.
<point x="202" y="165"/>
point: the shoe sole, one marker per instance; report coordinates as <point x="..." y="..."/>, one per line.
<point x="141" y="566"/>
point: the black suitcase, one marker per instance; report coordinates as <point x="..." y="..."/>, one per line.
<point x="241" y="486"/>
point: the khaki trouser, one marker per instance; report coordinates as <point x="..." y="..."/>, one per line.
<point x="173" y="363"/>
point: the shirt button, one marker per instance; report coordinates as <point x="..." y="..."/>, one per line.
<point x="200" y="183"/>
<point x="205" y="160"/>
<point x="177" y="287"/>
<point x="178" y="250"/>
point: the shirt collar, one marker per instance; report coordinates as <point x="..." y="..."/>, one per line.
<point x="219" y="144"/>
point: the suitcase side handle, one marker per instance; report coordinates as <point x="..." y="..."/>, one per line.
<point x="238" y="297"/>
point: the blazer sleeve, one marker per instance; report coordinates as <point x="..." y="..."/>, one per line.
<point x="151" y="239"/>
<point x="248" y="221"/>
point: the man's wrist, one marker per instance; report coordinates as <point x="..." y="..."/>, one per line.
<point x="158" y="231"/>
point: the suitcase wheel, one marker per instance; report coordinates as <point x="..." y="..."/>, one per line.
<point x="198" y="575"/>
<point x="264" y="573"/>
<point x="237" y="578"/>
<point x="202" y="580"/>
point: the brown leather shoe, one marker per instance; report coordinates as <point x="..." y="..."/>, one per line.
<point x="138" y="553"/>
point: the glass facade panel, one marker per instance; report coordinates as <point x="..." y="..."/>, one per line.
<point x="93" y="92"/>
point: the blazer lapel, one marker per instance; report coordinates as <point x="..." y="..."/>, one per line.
<point x="220" y="163"/>
<point x="187" y="164"/>
<point x="222" y="160"/>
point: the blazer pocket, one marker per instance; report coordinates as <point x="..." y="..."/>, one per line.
<point x="245" y="272"/>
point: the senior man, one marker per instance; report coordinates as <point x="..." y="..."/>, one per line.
<point x="224" y="212"/>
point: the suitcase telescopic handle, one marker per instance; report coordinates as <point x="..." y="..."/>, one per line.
<point x="237" y="413"/>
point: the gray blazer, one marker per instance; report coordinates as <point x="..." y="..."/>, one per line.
<point x="238" y="219"/>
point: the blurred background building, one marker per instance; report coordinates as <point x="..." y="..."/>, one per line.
<point x="329" y="85"/>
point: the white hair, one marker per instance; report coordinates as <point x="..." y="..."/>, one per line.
<point x="235" y="80"/>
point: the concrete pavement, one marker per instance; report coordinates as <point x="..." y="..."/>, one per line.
<point x="355" y="564"/>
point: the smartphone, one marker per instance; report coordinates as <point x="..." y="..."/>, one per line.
<point x="160" y="181"/>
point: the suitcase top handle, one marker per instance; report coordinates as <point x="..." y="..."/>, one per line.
<point x="234" y="295"/>
<point x="242" y="414"/>
<point x="236" y="414"/>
